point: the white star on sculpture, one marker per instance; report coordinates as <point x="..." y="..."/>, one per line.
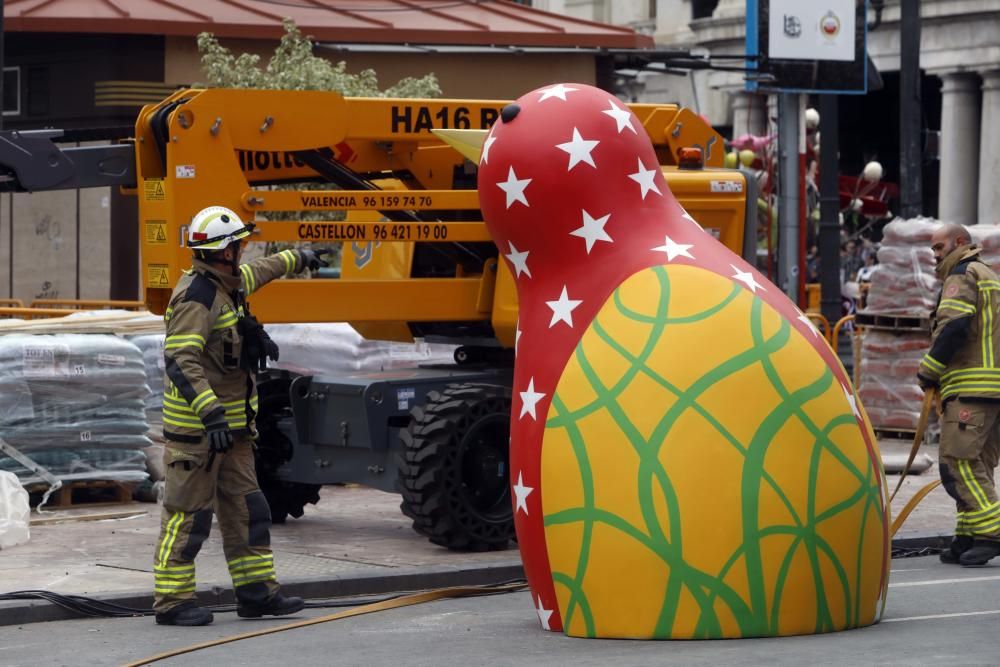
<point x="517" y="337"/>
<point x="543" y="614"/>
<point x="486" y="149"/>
<point x="558" y="90"/>
<point x="806" y="321"/>
<point x="623" y="117"/>
<point x="519" y="259"/>
<point x="514" y="188"/>
<point x="579" y="150"/>
<point x="746" y="278"/>
<point x="562" y="309"/>
<point x="521" y="493"/>
<point x="646" y="179"/>
<point x="592" y="230"/>
<point x="853" y="402"/>
<point x="529" y="399"/>
<point x="673" y="249"/>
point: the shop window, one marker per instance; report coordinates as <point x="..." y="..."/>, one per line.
<point x="703" y="9"/>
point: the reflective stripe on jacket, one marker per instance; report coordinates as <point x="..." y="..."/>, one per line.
<point x="965" y="343"/>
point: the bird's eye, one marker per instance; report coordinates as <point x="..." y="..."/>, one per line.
<point x="509" y="112"/>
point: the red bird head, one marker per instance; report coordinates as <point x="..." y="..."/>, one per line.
<point x="569" y="180"/>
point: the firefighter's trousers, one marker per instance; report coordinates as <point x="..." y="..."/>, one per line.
<point x="193" y="492"/>
<point x="970" y="449"/>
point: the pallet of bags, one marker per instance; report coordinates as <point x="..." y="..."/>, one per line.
<point x="75" y="402"/>
<point x="904" y="282"/>
<point x="336" y="348"/>
<point x="888" y="379"/>
<point x="987" y="237"/>
<point x="151" y="346"/>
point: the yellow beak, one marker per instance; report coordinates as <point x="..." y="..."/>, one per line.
<point x="467" y="142"/>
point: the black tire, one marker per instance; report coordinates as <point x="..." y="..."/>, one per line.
<point x="454" y="469"/>
<point x="274" y="449"/>
<point x="288" y="498"/>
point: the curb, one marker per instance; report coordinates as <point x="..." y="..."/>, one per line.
<point x="21" y="612"/>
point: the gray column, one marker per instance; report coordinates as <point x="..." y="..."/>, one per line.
<point x="989" y="152"/>
<point x="749" y="114"/>
<point x="959" y="194"/>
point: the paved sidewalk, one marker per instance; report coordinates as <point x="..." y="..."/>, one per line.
<point x="355" y="540"/>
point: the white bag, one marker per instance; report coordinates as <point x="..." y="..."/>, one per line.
<point x="14" y="511"/>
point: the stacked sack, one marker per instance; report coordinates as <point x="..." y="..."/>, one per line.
<point x="904" y="282"/>
<point x="889" y="389"/>
<point x="151" y="346"/>
<point x="75" y="403"/>
<point x="335" y="348"/>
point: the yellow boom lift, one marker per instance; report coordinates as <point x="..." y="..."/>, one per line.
<point x="417" y="264"/>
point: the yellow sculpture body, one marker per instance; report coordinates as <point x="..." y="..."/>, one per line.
<point x="671" y="526"/>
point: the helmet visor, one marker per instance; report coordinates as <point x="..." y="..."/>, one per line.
<point x="220" y="242"/>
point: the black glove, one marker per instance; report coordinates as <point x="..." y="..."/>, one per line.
<point x="220" y="438"/>
<point x="925" y="382"/>
<point x="312" y="259"/>
<point x="270" y="347"/>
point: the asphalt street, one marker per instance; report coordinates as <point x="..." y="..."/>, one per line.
<point x="936" y="614"/>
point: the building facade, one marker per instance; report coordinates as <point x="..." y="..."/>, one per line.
<point x="960" y="63"/>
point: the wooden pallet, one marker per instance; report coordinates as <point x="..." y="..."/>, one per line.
<point x="92" y="493"/>
<point x="892" y="322"/>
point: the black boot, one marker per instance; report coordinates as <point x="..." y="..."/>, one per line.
<point x="278" y="605"/>
<point x="959" y="545"/>
<point x="981" y="553"/>
<point x="188" y="614"/>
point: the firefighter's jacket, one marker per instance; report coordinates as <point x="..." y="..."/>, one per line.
<point x="204" y="381"/>
<point x="964" y="359"/>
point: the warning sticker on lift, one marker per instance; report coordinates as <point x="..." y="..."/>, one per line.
<point x="156" y="232"/>
<point x="153" y="190"/>
<point x="404" y="396"/>
<point x="158" y="275"/>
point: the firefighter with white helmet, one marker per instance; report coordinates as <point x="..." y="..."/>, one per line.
<point x="212" y="351"/>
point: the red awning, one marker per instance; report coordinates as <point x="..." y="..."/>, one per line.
<point x="466" y="22"/>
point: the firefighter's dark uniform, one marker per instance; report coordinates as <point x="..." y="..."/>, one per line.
<point x="204" y="383"/>
<point x="964" y="361"/>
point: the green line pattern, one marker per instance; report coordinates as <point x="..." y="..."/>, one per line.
<point x="757" y="610"/>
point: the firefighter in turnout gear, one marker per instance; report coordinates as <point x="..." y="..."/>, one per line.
<point x="964" y="364"/>
<point x="212" y="351"/>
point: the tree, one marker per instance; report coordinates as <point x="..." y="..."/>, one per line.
<point x="293" y="66"/>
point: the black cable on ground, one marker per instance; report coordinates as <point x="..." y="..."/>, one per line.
<point x="94" y="608"/>
<point x="914" y="552"/>
<point x="81" y="604"/>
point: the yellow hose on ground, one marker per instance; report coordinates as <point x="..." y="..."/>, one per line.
<point x="403" y="601"/>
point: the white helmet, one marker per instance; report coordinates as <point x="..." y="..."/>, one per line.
<point x="215" y="227"/>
